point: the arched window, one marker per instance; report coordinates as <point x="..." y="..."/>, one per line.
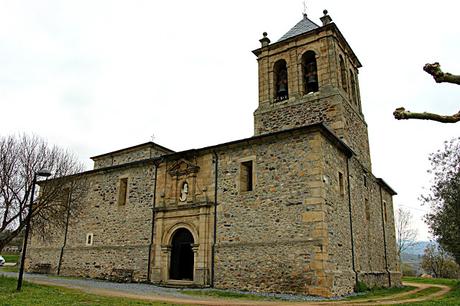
<point x="343" y="74"/>
<point x="281" y="81"/>
<point x="309" y="72"/>
<point x="353" y="87"/>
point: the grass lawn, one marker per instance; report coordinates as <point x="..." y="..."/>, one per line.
<point x="423" y="292"/>
<point x="11" y="258"/>
<point x="380" y="293"/>
<point x="32" y="294"/>
<point x="451" y="298"/>
<point x="10" y="269"/>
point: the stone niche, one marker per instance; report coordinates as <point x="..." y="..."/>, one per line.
<point x="182" y="185"/>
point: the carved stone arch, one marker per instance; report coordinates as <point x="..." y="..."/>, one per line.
<point x="302" y="51"/>
<point x="167" y="237"/>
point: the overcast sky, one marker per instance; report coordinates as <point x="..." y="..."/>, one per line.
<point x="97" y="76"/>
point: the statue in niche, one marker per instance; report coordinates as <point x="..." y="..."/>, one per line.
<point x="183" y="192"/>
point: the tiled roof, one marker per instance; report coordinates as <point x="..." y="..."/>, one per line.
<point x="303" y="26"/>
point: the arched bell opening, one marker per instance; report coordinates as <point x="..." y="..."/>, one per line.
<point x="310" y="72"/>
<point x="182" y="256"/>
<point x="353" y="88"/>
<point x="281" y="81"/>
<point x="343" y="74"/>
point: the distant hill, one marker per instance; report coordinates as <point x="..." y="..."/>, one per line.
<point x="418" y="248"/>
<point x="413" y="255"/>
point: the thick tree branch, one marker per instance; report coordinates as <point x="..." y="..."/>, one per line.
<point x="439" y="76"/>
<point x="401" y="114"/>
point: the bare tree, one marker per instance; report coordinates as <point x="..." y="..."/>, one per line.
<point x="20" y="158"/>
<point x="438" y="262"/>
<point x="406" y="235"/>
<point x="440" y="77"/>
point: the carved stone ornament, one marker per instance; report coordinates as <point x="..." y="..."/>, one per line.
<point x="183" y="167"/>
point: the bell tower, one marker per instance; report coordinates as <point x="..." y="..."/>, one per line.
<point x="310" y="75"/>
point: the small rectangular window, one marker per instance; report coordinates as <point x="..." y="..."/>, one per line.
<point x="385" y="211"/>
<point x="367" y="208"/>
<point x="246" y="176"/>
<point x="89" y="239"/>
<point x="365" y="181"/>
<point x="123" y="191"/>
<point x="341" y="186"/>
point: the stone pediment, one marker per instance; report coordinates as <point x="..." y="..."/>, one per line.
<point x="183" y="167"/>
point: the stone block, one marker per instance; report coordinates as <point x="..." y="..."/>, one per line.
<point x="313" y="216"/>
<point x="313" y="201"/>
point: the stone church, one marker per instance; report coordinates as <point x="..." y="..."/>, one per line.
<point x="295" y="208"/>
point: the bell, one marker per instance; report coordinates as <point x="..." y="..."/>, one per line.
<point x="312" y="79"/>
<point x="282" y="89"/>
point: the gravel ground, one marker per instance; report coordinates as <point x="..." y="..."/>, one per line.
<point x="149" y="289"/>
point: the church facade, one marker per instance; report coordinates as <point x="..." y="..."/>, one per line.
<point x="295" y="208"/>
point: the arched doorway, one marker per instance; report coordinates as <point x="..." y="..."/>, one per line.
<point x="181" y="266"/>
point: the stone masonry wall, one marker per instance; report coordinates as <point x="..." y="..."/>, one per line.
<point x="319" y="107"/>
<point x="272" y="238"/>
<point x="339" y="255"/>
<point x="121" y="234"/>
<point x="368" y="227"/>
<point x="392" y="254"/>
<point x="47" y="254"/>
<point x="356" y="134"/>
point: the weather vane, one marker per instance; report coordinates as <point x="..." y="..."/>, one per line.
<point x="305" y="7"/>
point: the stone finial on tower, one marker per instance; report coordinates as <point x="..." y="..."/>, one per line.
<point x="326" y="19"/>
<point x="265" y="41"/>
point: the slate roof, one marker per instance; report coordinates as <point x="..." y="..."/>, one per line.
<point x="303" y="26"/>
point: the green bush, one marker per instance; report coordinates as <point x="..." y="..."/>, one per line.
<point x="361" y="287"/>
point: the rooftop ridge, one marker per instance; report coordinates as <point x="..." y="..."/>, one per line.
<point x="303" y="26"/>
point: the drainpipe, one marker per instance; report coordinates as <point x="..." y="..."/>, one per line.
<point x="69" y="200"/>
<point x="384" y="237"/>
<point x="351" y="224"/>
<point x="213" y="256"/>
<point x="149" y="260"/>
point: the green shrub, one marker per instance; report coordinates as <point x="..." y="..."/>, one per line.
<point x="361" y="287"/>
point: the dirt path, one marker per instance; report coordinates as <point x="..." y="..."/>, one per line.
<point x="194" y="300"/>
